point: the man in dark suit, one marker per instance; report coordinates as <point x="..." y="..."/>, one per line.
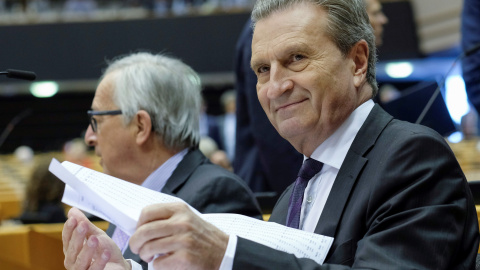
<point x="390" y="193"/>
<point x="144" y="127"/>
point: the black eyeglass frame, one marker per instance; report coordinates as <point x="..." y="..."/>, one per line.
<point x="93" y="121"/>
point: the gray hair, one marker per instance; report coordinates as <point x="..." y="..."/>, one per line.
<point x="348" y="24"/>
<point x="166" y="88"/>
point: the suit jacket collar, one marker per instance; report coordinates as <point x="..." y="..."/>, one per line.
<point x="183" y="171"/>
<point x="355" y="160"/>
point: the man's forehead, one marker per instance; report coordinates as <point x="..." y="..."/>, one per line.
<point x="104" y="94"/>
<point x="291" y="24"/>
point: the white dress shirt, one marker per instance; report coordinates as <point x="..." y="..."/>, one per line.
<point x="331" y="153"/>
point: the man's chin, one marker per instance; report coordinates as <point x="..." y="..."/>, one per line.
<point x="104" y="168"/>
<point x="289" y="132"/>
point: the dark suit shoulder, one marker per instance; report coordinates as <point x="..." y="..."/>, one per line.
<point x="212" y="189"/>
<point x="409" y="129"/>
<point x="413" y="177"/>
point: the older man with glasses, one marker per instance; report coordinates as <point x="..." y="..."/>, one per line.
<point x="144" y="126"/>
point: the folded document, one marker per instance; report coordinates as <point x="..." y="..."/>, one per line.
<point x="121" y="202"/>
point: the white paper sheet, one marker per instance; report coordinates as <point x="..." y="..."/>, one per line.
<point x="121" y="202"/>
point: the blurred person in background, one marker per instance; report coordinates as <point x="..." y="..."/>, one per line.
<point x="377" y="19"/>
<point x="227" y="123"/>
<point x="217" y="156"/>
<point x="208" y="125"/>
<point x="43" y="196"/>
<point x="76" y="151"/>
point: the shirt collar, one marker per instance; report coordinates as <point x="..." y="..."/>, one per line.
<point x="158" y="179"/>
<point x="334" y="149"/>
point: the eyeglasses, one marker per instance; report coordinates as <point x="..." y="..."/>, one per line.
<point x="93" y="121"/>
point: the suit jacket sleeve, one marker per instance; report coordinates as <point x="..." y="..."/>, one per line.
<point x="410" y="208"/>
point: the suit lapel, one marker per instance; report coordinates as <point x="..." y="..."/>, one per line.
<point x="280" y="211"/>
<point x="342" y="186"/>
<point x="350" y="170"/>
<point x="183" y="171"/>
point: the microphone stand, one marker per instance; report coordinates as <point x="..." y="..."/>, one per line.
<point x="12" y="124"/>
<point x="23" y="75"/>
<point x="468" y="52"/>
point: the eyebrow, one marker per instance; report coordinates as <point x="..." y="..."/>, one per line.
<point x="255" y="64"/>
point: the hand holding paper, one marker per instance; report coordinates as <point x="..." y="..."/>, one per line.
<point x="121" y="203"/>
<point x="175" y="230"/>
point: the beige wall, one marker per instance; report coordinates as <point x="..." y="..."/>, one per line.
<point x="438" y="23"/>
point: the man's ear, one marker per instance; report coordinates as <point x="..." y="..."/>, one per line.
<point x="359" y="53"/>
<point x="144" y="126"/>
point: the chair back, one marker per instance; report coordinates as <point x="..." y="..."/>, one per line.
<point x="475" y="188"/>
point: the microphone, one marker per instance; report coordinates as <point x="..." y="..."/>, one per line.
<point x="466" y="53"/>
<point x="19" y="74"/>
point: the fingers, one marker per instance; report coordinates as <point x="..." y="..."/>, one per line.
<point x="184" y="240"/>
<point x="74" y="217"/>
<point x="87" y="247"/>
<point x="148" y="232"/>
<point x="84" y="258"/>
<point x="164" y="235"/>
<point x="77" y="214"/>
<point x="67" y="232"/>
<point x="101" y="262"/>
<point x="156" y="222"/>
<point x="160" y="211"/>
<point x="74" y="246"/>
<point x="206" y="257"/>
<point x="161" y="247"/>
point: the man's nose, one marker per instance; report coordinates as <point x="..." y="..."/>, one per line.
<point x="383" y="18"/>
<point x="279" y="82"/>
<point x="90" y="136"/>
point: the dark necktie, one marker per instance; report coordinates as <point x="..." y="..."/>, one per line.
<point x="310" y="168"/>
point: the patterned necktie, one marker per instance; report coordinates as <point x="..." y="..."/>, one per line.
<point x="309" y="169"/>
<point x="120" y="238"/>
